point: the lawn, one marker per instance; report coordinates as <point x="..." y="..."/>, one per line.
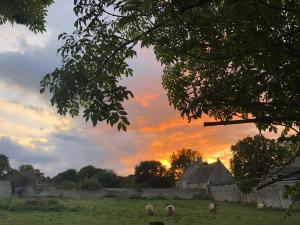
<point x="113" y="211"/>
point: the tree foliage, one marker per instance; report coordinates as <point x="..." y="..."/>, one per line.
<point x="223" y="58"/>
<point x="68" y="175"/>
<point x="181" y="159"/>
<point x="88" y="177"/>
<point x="293" y="192"/>
<point x="27" y="175"/>
<point x="4" y="166"/>
<point x="25" y="12"/>
<point x="152" y="174"/>
<point x="254" y="157"/>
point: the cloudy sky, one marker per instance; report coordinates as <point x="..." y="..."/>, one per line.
<point x="32" y="133"/>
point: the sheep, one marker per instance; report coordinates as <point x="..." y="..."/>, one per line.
<point x="170" y="210"/>
<point x="149" y="210"/>
<point x="260" y="205"/>
<point x="157" y="223"/>
<point x="212" y="207"/>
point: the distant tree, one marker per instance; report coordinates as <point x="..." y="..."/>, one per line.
<point x="87" y="172"/>
<point x="254" y="157"/>
<point x="4" y="166"/>
<point x="25" y="12"/>
<point x="23" y="178"/>
<point x="108" y="178"/>
<point x="68" y="175"/>
<point x="91" y="184"/>
<point x="181" y="159"/>
<point x="151" y="174"/>
<point x="27" y="175"/>
<point x="26" y="167"/>
<point x="29" y="168"/>
<point x="128" y="181"/>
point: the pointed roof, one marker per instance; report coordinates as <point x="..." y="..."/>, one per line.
<point x="202" y="173"/>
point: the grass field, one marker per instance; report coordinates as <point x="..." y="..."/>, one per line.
<point x="112" y="211"/>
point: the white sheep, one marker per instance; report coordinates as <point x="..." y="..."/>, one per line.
<point x="212" y="207"/>
<point x="260" y="205"/>
<point x="149" y="210"/>
<point x="170" y="210"/>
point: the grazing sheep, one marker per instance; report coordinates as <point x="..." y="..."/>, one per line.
<point x="150" y="210"/>
<point x="157" y="223"/>
<point x="170" y="210"/>
<point x="212" y="207"/>
<point x="260" y="205"/>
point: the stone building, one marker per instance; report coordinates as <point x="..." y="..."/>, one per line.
<point x="202" y="175"/>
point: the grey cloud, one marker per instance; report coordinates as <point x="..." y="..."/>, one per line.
<point x="20" y="155"/>
<point x="27" y="69"/>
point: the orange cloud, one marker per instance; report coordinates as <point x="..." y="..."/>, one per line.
<point x="146" y="99"/>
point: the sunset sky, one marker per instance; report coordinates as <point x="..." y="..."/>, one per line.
<point x="32" y="133"/>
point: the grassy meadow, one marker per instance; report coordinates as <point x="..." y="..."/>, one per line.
<point x="113" y="211"/>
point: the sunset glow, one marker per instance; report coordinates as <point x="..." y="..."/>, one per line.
<point x="54" y="143"/>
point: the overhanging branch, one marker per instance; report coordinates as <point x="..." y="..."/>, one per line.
<point x="254" y="120"/>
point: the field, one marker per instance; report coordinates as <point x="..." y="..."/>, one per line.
<point x="113" y="211"/>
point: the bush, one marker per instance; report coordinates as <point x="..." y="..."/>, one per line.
<point x="66" y="185"/>
<point x="90" y="184"/>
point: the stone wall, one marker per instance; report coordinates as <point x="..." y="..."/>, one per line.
<point x="168" y="193"/>
<point x="272" y="196"/>
<point x="5" y="189"/>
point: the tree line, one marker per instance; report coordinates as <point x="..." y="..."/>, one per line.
<point x="147" y="174"/>
<point x="252" y="159"/>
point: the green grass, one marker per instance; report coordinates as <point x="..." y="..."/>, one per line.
<point x="113" y="211"/>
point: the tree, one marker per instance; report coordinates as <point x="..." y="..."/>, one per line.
<point x="4" y="166"/>
<point x="27" y="175"/>
<point x="151" y="174"/>
<point x="181" y="159"/>
<point x="254" y="157"/>
<point x="25" y="12"/>
<point x="222" y="58"/>
<point x="108" y="178"/>
<point x="68" y="175"/>
<point x="87" y="172"/>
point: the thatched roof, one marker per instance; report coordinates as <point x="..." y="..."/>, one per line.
<point x="215" y="173"/>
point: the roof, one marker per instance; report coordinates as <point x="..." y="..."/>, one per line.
<point x="202" y="173"/>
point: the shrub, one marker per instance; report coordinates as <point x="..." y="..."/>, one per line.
<point x="90" y="184"/>
<point x="66" y="185"/>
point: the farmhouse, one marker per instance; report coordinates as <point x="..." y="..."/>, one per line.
<point x="203" y="175"/>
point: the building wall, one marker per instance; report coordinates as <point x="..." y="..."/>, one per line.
<point x="272" y="196"/>
<point x="5" y="189"/>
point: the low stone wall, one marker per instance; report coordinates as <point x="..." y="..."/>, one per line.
<point x="272" y="196"/>
<point x="5" y="189"/>
<point x="168" y="193"/>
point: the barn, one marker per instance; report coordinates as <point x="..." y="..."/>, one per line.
<point x="202" y="175"/>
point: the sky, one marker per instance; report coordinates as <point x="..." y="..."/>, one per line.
<point x="31" y="132"/>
